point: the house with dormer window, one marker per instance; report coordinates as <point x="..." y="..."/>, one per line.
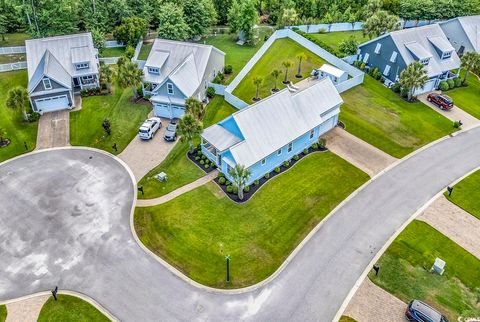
<point x="57" y="68"/>
<point x="393" y="52"/>
<point x="175" y="71"/>
<point x="463" y="33"/>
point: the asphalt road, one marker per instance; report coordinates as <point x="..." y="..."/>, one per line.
<point x="64" y="220"/>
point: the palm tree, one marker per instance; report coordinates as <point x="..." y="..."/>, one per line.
<point x="18" y="99"/>
<point x="188" y="129"/>
<point x="130" y="75"/>
<point x="257" y="81"/>
<point x="194" y="107"/>
<point x="240" y="176"/>
<point x="106" y="75"/>
<point x="287" y="64"/>
<point x="415" y="75"/>
<point x="469" y="61"/>
<point x="275" y="73"/>
<point x="300" y="57"/>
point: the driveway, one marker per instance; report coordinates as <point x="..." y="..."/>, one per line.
<point x="142" y="156"/>
<point x="66" y="223"/>
<point x="454" y="114"/>
<point x="53" y="130"/>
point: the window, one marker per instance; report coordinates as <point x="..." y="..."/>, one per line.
<point x="153" y="70"/>
<point x="425" y="61"/>
<point x="170" y="88"/>
<point x="264" y="161"/>
<point x="312" y="133"/>
<point x="88" y="77"/>
<point x="386" y="72"/>
<point x="446" y="55"/>
<point x="47" y="84"/>
<point x="377" y="48"/>
<point x="290" y="147"/>
<point x="365" y="58"/>
<point x="279" y="152"/>
<point x="82" y="66"/>
<point x="393" y="58"/>
<point x="229" y="168"/>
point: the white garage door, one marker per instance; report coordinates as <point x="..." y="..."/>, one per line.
<point x="429" y="86"/>
<point x="50" y="104"/>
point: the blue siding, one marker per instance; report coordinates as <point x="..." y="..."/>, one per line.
<point x="230" y="125"/>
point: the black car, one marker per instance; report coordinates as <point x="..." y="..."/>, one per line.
<point x="420" y="312"/>
<point x="171" y="132"/>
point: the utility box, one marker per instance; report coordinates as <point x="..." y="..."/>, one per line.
<point x="438" y="266"/>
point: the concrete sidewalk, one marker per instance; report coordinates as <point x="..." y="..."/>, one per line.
<point x="26" y="310"/>
<point x="53" y="130"/>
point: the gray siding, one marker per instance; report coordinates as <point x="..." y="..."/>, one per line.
<point x="215" y="64"/>
<point x="382" y="59"/>
<point x="40" y="87"/>
<point x="456" y="35"/>
<point x="162" y="91"/>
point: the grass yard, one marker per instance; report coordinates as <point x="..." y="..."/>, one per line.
<point x="11" y="120"/>
<point x="378" y="116"/>
<point x="6" y="59"/>
<point x="125" y="117"/>
<point x="345" y="318"/>
<point x="181" y="170"/>
<point x="404" y="272"/>
<point x="14" y="39"/>
<point x="466" y="194"/>
<point x="281" y="50"/>
<point x="113" y="52"/>
<point x="468" y="98"/>
<point x="236" y="55"/>
<point x="334" y="39"/>
<point x="3" y="313"/>
<point x="144" y="51"/>
<point x="70" y="309"/>
<point x="195" y="231"/>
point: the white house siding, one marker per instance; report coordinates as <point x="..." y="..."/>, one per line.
<point x="215" y="64"/>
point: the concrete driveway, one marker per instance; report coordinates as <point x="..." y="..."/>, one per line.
<point x="53" y="130"/>
<point x="66" y="223"/>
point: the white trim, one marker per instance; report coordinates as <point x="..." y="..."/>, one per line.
<point x="170" y="90"/>
<point x="44" y="81"/>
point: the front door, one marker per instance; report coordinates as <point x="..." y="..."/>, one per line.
<point x="76" y="82"/>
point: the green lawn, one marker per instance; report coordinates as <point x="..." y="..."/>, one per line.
<point x="281" y="50"/>
<point x="236" y="55"/>
<point x="378" y="116"/>
<point x="11" y="120"/>
<point x="333" y="39"/>
<point x="404" y="272"/>
<point x="3" y="313"/>
<point x="468" y="98"/>
<point x="345" y="318"/>
<point x="125" y="117"/>
<point x="5" y="59"/>
<point x="196" y="230"/>
<point x="144" y="51"/>
<point x="14" y="39"/>
<point x="466" y="194"/>
<point x="70" y="309"/>
<point x="180" y="170"/>
<point x="113" y="52"/>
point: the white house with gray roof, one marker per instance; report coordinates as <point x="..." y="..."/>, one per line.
<point x="265" y="134"/>
<point x="393" y="52"/>
<point x="59" y="66"/>
<point x="175" y="71"/>
<point x="463" y="33"/>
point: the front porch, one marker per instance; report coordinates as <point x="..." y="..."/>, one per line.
<point x="85" y="82"/>
<point x="211" y="152"/>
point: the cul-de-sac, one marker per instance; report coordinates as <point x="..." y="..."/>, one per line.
<point x="240" y="160"/>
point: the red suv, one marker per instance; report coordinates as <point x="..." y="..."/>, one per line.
<point x="442" y="101"/>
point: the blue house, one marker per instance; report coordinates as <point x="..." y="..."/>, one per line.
<point x="264" y="135"/>
<point x="175" y="71"/>
<point x="463" y="33"/>
<point x="393" y="52"/>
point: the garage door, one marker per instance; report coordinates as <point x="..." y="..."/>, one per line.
<point x="429" y="86"/>
<point x="50" y="104"/>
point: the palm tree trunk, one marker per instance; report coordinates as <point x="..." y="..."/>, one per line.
<point x="134" y="89"/>
<point x="275" y="87"/>
<point x="240" y="192"/>
<point x="410" y="94"/>
<point x="466" y="75"/>
<point x="190" y="144"/>
<point x="286" y="75"/>
<point x="299" y="72"/>
<point x="24" y="113"/>
<point x="256" y="95"/>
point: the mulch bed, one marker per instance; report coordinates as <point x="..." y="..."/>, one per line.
<point x="262" y="180"/>
<point x="192" y="156"/>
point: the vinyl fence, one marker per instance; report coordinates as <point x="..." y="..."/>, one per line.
<point x="13" y="50"/>
<point x="113" y="44"/>
<point x="13" y="66"/>
<point x="333" y="27"/>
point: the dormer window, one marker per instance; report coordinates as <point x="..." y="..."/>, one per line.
<point x="377" y="48"/>
<point x="170" y="88"/>
<point x="46" y="83"/>
<point x="81" y="66"/>
<point x="447" y="55"/>
<point x="153" y="70"/>
<point x="424" y="61"/>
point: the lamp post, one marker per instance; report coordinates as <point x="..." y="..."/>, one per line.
<point x="227" y="259"/>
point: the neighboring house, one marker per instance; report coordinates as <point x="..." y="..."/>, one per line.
<point x="175" y="71"/>
<point x="58" y="67"/>
<point x="393" y="52"/>
<point x="335" y="74"/>
<point x="463" y="33"/>
<point x="264" y="135"/>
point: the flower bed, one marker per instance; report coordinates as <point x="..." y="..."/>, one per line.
<point x="201" y="160"/>
<point x="249" y="191"/>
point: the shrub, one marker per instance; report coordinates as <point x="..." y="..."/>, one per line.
<point x="202" y="161"/>
<point x="217" y="79"/>
<point x="362" y="66"/>
<point x="404" y="92"/>
<point x="457" y="124"/>
<point x="322" y="30"/>
<point x="199" y="153"/>
<point x="315" y="146"/>
<point x="221" y="175"/>
<point x="210" y="92"/>
<point x="396" y="88"/>
<point x="277" y="169"/>
<point x="443" y="86"/>
<point x="229" y="189"/>
<point x="139" y="92"/>
<point x="129" y="52"/>
<point x="207" y="165"/>
<point x="305" y="151"/>
<point x="458" y="82"/>
<point x="286" y="163"/>
<point x="296" y="157"/>
<point x="267" y="175"/>
<point x="204" y="157"/>
<point x="256" y="182"/>
<point x="357" y="63"/>
<point x="235" y="189"/>
<point x="451" y="83"/>
<point x="228" y="69"/>
<point x="197" y="158"/>
<point x="228" y="183"/>
<point x="212" y="164"/>
<point x="246" y="189"/>
<point x="322" y="142"/>
<point x="33" y="117"/>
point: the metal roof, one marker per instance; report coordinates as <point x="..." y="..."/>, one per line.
<point x="51" y="67"/>
<point x="442" y="44"/>
<point x="80" y="54"/>
<point x="332" y="70"/>
<point x="418" y="51"/>
<point x="221" y="138"/>
<point x="471" y="26"/>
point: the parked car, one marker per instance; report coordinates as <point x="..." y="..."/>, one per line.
<point x="171" y="132"/>
<point x="149" y="127"/>
<point x="442" y="101"/>
<point x="420" y="312"/>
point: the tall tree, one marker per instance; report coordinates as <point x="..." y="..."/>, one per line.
<point x="289" y="17"/>
<point x="53" y="17"/>
<point x="257" y="82"/>
<point x="130" y="75"/>
<point x="199" y="16"/>
<point x="131" y="31"/>
<point x="17" y="98"/>
<point x="275" y="73"/>
<point x="3" y="26"/>
<point x="286" y="64"/>
<point x="106" y="75"/>
<point x="172" y="23"/>
<point x="222" y="7"/>
<point x="194" y="107"/>
<point x="470" y="61"/>
<point x="189" y="128"/>
<point x="414" y="76"/>
<point x="98" y="39"/>
<point x="240" y="176"/>
<point x="380" y="23"/>
<point x="242" y="17"/>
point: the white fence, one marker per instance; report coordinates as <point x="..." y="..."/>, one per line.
<point x="113" y="44"/>
<point x="137" y="50"/>
<point x="333" y="27"/>
<point x="108" y="60"/>
<point x="219" y="88"/>
<point x="13" y="50"/>
<point x="13" y="66"/>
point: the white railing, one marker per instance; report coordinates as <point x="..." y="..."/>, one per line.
<point x="13" y="66"/>
<point x="113" y="44"/>
<point x="13" y="50"/>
